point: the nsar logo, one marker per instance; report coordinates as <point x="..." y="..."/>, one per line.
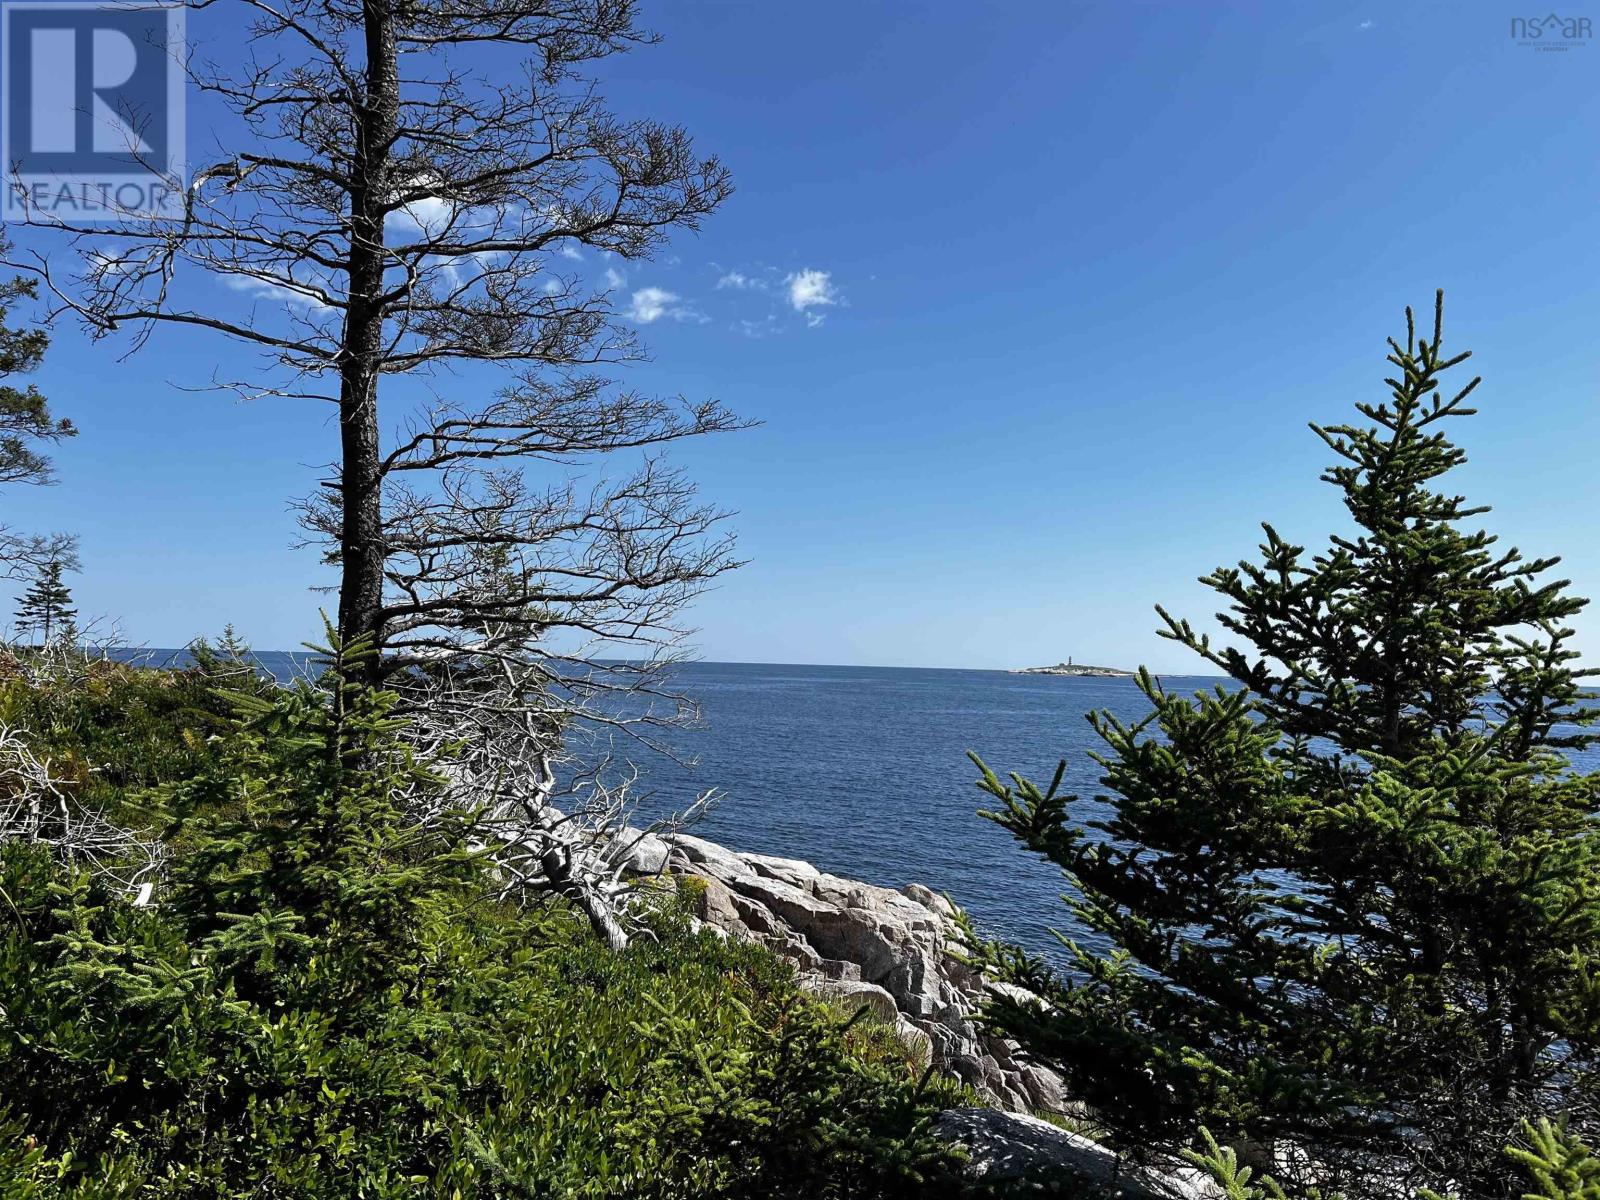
<point x="1551" y="32"/>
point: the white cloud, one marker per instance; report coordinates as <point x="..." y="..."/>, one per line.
<point x="811" y="288"/>
<point x="808" y="291"/>
<point x="568" y="250"/>
<point x="615" y="278"/>
<point x="109" y="261"/>
<point x="652" y="303"/>
<point x="428" y="215"/>
<point x="271" y="289"/>
<point x="435" y="215"/>
<point x="757" y="329"/>
<point x="1365" y="25"/>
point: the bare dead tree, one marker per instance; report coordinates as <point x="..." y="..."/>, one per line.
<point x="406" y="213"/>
<point x="403" y="194"/>
<point x="552" y="821"/>
<point x="40" y="806"/>
<point x="485" y="564"/>
<point x="24" y="554"/>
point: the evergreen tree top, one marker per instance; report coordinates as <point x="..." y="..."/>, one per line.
<point x="46" y="607"/>
<point x="1365" y="924"/>
<point x="1415" y="625"/>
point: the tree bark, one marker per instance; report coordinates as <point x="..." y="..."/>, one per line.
<point x="361" y="548"/>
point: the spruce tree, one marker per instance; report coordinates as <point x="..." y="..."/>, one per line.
<point x="46" y="607"/>
<point x="1350" y="899"/>
<point x="26" y="427"/>
<point x="25" y="418"/>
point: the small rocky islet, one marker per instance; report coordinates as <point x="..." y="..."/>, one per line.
<point x="1071" y="668"/>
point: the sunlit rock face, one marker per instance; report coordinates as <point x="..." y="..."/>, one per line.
<point x="890" y="949"/>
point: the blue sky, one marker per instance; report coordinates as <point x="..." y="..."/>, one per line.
<point x="1036" y="302"/>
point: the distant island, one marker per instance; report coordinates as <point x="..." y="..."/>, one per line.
<point x="1071" y="668"/>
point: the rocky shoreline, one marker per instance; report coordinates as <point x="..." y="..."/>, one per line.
<point x="895" y="952"/>
<point x="892" y="950"/>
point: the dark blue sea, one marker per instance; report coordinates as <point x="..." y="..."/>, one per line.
<point x="863" y="771"/>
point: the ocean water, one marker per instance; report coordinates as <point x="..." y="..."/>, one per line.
<point x="863" y="772"/>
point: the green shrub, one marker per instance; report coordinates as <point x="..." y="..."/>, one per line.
<point x="112" y="730"/>
<point x="329" y="1002"/>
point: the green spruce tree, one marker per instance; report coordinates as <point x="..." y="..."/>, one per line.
<point x="25" y="418"/>
<point x="46" y="607"/>
<point x="1352" y="901"/>
<point x="26" y="427"/>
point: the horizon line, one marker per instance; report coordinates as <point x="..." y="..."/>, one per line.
<point x="733" y="662"/>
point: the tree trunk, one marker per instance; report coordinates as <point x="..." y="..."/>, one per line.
<point x="601" y="919"/>
<point x="361" y="549"/>
<point x="558" y="869"/>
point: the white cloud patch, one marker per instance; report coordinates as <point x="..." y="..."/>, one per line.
<point x="435" y="215"/>
<point x="428" y="214"/>
<point x="109" y="261"/>
<point x="757" y="329"/>
<point x="807" y="291"/>
<point x="650" y="304"/>
<point x="270" y="289"/>
<point x="615" y="278"/>
<point x="810" y="289"/>
<point x="568" y="250"/>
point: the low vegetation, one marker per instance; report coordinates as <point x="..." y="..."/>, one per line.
<point x="328" y="1001"/>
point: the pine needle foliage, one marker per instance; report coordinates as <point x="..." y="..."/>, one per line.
<point x="327" y="1002"/>
<point x="1352" y="898"/>
<point x="45" y="608"/>
<point x="26" y="423"/>
<point x="1559" y="1165"/>
<point x="1554" y="1163"/>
